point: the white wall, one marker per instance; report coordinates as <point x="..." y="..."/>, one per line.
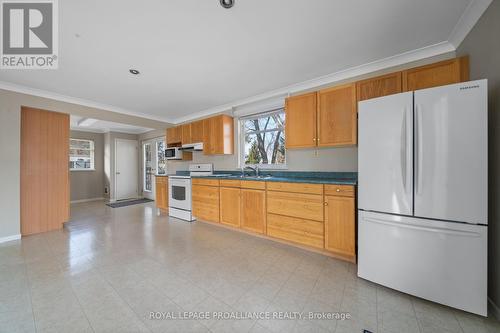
<point x="483" y="46"/>
<point x="89" y="184"/>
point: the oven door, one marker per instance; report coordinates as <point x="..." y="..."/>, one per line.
<point x="179" y="191"/>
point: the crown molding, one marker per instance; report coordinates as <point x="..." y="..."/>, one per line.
<point x="78" y="101"/>
<point x="469" y="18"/>
<point x="378" y="65"/>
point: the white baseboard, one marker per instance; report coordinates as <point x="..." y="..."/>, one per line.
<point x="86" y="200"/>
<point x="494" y="309"/>
<point x="10" y="238"/>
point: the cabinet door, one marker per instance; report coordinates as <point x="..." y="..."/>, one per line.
<point x="207" y="137"/>
<point x="197" y="131"/>
<point x="340" y="225"/>
<point x="300" y="123"/>
<point x="230" y="204"/>
<point x="379" y="86"/>
<point x="174" y="135"/>
<point x="205" y="202"/>
<point x="337" y="117"/>
<point x="218" y="135"/>
<point x="253" y="210"/>
<point x="186" y="133"/>
<point x="437" y="74"/>
<point x="161" y="195"/>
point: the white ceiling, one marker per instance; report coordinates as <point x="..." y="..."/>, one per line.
<point x="101" y="126"/>
<point x="195" y="55"/>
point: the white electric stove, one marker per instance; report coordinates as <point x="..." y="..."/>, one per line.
<point x="179" y="191"/>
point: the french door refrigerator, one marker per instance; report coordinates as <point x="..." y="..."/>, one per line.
<point x="422" y="196"/>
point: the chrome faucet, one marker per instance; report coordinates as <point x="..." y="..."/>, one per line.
<point x="254" y="169"/>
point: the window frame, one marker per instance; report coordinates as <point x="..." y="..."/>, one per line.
<point x="92" y="155"/>
<point x="243" y="133"/>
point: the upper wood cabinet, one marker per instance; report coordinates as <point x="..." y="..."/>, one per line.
<point x="218" y="135"/>
<point x="174" y="135"/>
<point x="186" y="134"/>
<point x="438" y="74"/>
<point x="197" y="131"/>
<point x="379" y="86"/>
<point x="337" y="116"/>
<point x="300" y="124"/>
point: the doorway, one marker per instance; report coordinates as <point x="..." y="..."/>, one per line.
<point x="153" y="163"/>
<point x="126" y="169"/>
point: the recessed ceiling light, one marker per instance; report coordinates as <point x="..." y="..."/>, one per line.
<point x="134" y="71"/>
<point x="227" y="3"/>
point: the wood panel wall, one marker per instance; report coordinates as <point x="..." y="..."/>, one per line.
<point x="44" y="170"/>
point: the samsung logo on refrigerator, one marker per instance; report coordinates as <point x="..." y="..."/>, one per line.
<point x="469" y="87"/>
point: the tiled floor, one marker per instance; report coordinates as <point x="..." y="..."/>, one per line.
<point x="109" y="268"/>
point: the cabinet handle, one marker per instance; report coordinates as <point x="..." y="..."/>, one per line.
<point x="326" y="203"/>
<point x="338" y="190"/>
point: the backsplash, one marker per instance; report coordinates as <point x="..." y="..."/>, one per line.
<point x="320" y="160"/>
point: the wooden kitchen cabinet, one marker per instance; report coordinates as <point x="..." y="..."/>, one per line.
<point x="218" y="135"/>
<point x="379" y="86"/>
<point x="340" y="223"/>
<point x="230" y="205"/>
<point x="438" y="74"/>
<point x="161" y="193"/>
<point x="186" y="134"/>
<point x="197" y="131"/>
<point x="205" y="202"/>
<point x="300" y="124"/>
<point x="337" y="116"/>
<point x="293" y="216"/>
<point x="174" y="135"/>
<point x="253" y="209"/>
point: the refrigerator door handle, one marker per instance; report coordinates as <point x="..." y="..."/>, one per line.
<point x="418" y="149"/>
<point x="422" y="228"/>
<point x="404" y="150"/>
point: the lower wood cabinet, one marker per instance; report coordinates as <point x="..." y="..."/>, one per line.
<point x="340" y="221"/>
<point x="253" y="210"/>
<point x="161" y="194"/>
<point x="205" y="202"/>
<point x="297" y="230"/>
<point x="301" y="205"/>
<point x="230" y="204"/>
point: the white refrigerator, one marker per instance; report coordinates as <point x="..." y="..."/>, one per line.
<point x="423" y="192"/>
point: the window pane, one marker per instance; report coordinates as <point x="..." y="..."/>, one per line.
<point x="161" y="167"/>
<point x="81" y="154"/>
<point x="264" y="147"/>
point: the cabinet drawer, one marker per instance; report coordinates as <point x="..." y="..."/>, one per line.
<point x="229" y="183"/>
<point x="161" y="180"/>
<point x="295" y="187"/>
<point x="296" y="230"/>
<point x="253" y="184"/>
<point x="205" y="201"/>
<point x="204" y="181"/>
<point x="340" y="190"/>
<point x="306" y="206"/>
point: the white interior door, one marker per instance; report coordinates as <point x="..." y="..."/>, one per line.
<point x="126" y="169"/>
